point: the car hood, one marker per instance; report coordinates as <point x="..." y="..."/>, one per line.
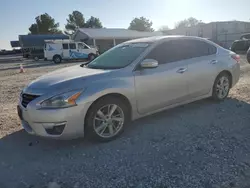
<point x="70" y="77"/>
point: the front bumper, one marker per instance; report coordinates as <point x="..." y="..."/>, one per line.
<point x="65" y="123"/>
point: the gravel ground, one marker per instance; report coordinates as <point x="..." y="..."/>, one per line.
<point x="203" y="144"/>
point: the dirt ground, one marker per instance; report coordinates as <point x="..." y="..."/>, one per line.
<point x="203" y="144"/>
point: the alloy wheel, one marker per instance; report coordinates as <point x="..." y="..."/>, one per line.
<point x="108" y="121"/>
<point x="222" y="87"/>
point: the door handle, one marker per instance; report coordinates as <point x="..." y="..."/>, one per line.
<point x="213" y="62"/>
<point x="181" y="70"/>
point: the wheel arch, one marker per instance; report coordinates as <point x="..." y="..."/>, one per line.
<point x="116" y="95"/>
<point x="56" y="55"/>
<point x="229" y="74"/>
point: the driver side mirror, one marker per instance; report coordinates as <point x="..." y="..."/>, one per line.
<point x="149" y="64"/>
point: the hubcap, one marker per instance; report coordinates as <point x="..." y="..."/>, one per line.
<point x="108" y="120"/>
<point x="222" y="87"/>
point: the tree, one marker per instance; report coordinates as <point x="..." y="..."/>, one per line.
<point x="188" y="23"/>
<point x="93" y="22"/>
<point x="45" y="24"/>
<point x="164" y="28"/>
<point x="75" y="20"/>
<point x="141" y="24"/>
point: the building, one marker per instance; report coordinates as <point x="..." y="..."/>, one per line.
<point x="223" y="33"/>
<point x="106" y="38"/>
<point x="37" y="41"/>
<point x="32" y="42"/>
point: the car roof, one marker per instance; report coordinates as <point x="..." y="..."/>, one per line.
<point x="157" y="38"/>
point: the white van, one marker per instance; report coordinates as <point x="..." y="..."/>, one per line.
<point x="58" y="50"/>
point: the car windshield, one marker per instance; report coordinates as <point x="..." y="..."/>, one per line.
<point x="118" y="57"/>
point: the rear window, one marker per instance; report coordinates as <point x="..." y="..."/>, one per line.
<point x="239" y="45"/>
<point x="202" y="48"/>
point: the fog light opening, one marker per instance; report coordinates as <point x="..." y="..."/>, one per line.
<point x="56" y="130"/>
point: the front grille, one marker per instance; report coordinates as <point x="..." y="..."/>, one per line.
<point x="27" y="98"/>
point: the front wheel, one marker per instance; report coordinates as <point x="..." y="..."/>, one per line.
<point x="221" y="87"/>
<point x="106" y="119"/>
<point x="36" y="58"/>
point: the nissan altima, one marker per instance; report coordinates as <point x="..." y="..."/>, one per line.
<point x="129" y="81"/>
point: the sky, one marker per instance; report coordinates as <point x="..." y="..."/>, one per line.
<point x="16" y="16"/>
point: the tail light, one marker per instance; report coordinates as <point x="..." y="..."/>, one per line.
<point x="236" y="57"/>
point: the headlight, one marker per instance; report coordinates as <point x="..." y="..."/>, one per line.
<point x="63" y="100"/>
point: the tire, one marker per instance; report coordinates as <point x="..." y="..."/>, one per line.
<point x="57" y="59"/>
<point x="248" y="57"/>
<point x="95" y="124"/>
<point x="36" y="58"/>
<point x="221" y="88"/>
<point x="91" y="57"/>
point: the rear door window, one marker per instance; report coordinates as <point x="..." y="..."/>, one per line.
<point x="180" y="49"/>
<point x="65" y="46"/>
<point x="197" y="48"/>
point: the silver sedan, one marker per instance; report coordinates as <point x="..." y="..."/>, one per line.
<point x="131" y="80"/>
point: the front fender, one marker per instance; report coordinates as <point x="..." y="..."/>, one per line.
<point x="123" y="85"/>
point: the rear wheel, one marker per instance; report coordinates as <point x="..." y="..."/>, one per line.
<point x="106" y="119"/>
<point x="57" y="59"/>
<point x="221" y="87"/>
<point x="36" y="58"/>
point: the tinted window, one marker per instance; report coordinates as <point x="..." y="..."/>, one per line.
<point x="182" y="49"/>
<point x="201" y="48"/>
<point x="65" y="46"/>
<point x="239" y="45"/>
<point x="195" y="48"/>
<point x="72" y="46"/>
<point x="159" y="53"/>
<point x="170" y="51"/>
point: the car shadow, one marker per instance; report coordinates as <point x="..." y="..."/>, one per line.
<point x="21" y="138"/>
<point x="20" y="148"/>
